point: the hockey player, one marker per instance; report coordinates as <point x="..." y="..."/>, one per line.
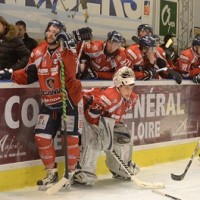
<point x="107" y="106"/>
<point x="103" y="58"/>
<point x="45" y="65"/>
<point x="143" y="30"/>
<point x="146" y="57"/>
<point x="189" y="61"/>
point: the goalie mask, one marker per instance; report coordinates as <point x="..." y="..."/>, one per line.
<point x="124" y="76"/>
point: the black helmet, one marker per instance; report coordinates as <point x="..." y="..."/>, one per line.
<point x="115" y="36"/>
<point x="196" y="40"/>
<point x="147" y="41"/>
<point x="145" y="27"/>
<point x="56" y="23"/>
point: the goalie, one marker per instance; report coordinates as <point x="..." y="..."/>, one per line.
<point x="104" y="130"/>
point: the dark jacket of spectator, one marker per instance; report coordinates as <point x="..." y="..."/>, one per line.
<point x="29" y="42"/>
<point x="13" y="53"/>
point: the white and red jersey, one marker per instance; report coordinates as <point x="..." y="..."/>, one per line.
<point x="188" y="63"/>
<point x="106" y="102"/>
<point x="48" y="70"/>
<point x="105" y="66"/>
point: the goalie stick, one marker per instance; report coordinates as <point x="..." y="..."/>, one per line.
<point x="181" y="176"/>
<point x="164" y="194"/>
<point x="176" y="76"/>
<point x="136" y="180"/>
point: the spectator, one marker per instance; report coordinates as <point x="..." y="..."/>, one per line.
<point x="45" y="65"/>
<point x="189" y="61"/>
<point x="103" y="58"/>
<point x="107" y="107"/>
<point x="13" y="53"/>
<point x="29" y="42"/>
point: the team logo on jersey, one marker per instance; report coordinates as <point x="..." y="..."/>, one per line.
<point x="50" y="83"/>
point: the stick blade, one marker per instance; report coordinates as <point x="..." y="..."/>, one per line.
<point x="55" y="188"/>
<point x="147" y="185"/>
<point x="176" y="76"/>
<point x="177" y="177"/>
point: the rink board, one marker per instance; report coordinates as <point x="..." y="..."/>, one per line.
<point x="164" y="127"/>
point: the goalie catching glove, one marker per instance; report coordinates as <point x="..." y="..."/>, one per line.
<point x="68" y="41"/>
<point x="82" y="34"/>
<point x="6" y="74"/>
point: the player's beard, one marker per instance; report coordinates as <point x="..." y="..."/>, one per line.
<point x="51" y="41"/>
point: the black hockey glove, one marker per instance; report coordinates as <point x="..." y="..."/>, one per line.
<point x="89" y="74"/>
<point x="161" y="63"/>
<point x="150" y="74"/>
<point x="170" y="55"/>
<point x="196" y="79"/>
<point x="82" y="34"/>
<point x="137" y="68"/>
<point x="67" y="40"/>
<point x="6" y="74"/>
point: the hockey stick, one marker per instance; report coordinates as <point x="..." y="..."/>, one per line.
<point x="136" y="180"/>
<point x="78" y="3"/>
<point x="181" y="176"/>
<point x="176" y="76"/>
<point x="66" y="9"/>
<point x="164" y="194"/>
<point x="65" y="180"/>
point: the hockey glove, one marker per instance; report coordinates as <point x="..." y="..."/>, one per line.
<point x="82" y="34"/>
<point x="67" y="40"/>
<point x="170" y="55"/>
<point x="196" y="79"/>
<point x="6" y="74"/>
<point x="161" y="63"/>
<point x="137" y="68"/>
<point x="89" y="74"/>
<point x="150" y="74"/>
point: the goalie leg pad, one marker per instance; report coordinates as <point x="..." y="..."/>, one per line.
<point x="90" y="148"/>
<point x="123" y="147"/>
<point x="46" y="149"/>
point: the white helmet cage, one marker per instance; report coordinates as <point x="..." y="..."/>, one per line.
<point x="124" y="76"/>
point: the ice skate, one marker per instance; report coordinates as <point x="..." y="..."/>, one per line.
<point x="49" y="180"/>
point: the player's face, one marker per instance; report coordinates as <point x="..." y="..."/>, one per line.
<point x="50" y="34"/>
<point x="21" y="31"/>
<point x="144" y="32"/>
<point x="126" y="90"/>
<point x="112" y="46"/>
<point x="197" y="50"/>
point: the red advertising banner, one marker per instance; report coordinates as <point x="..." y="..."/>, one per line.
<point x="162" y="113"/>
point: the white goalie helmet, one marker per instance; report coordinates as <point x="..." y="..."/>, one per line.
<point x="124" y="76"/>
